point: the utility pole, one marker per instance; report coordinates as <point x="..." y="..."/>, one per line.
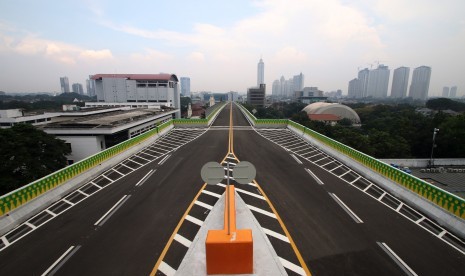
<point x="431" y="160"/>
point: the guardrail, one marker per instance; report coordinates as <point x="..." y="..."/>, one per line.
<point x="20" y="196"/>
<point x="262" y="122"/>
<point x="440" y="197"/>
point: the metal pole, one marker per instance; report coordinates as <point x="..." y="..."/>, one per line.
<point x="431" y="160"/>
<point x="227" y="196"/>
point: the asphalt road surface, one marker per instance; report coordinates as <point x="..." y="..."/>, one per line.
<point x="131" y="238"/>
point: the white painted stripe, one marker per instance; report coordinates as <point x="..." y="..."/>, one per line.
<point x="187" y="243"/>
<point x="204" y="205"/>
<point x="227" y="169"/>
<point x="293" y="149"/>
<point x="143" y="158"/>
<point x="144" y="152"/>
<point x="229" y="157"/>
<point x="309" y="152"/>
<point x="164" y="159"/>
<point x="117" y="171"/>
<point x="221" y="185"/>
<point x="249" y="193"/>
<point x="211" y="193"/>
<point x="381" y="197"/>
<point x="420" y="220"/>
<point x="328" y="163"/>
<point x="314" y="176"/>
<point x="50" y="212"/>
<point x="258" y="210"/>
<point x="335" y="168"/>
<point x="135" y="162"/>
<point x="79" y="191"/>
<point x="147" y="149"/>
<point x="68" y="202"/>
<point x="276" y="235"/>
<point x="95" y="185"/>
<point x="194" y="220"/>
<point x="400" y="206"/>
<point x="355" y="180"/>
<point x="111" y="209"/>
<point x="396" y="258"/>
<point x="166" y="269"/>
<point x="368" y="187"/>
<point x="252" y="184"/>
<point x="296" y="151"/>
<point x="442" y="233"/>
<point x="345" y="173"/>
<point x="295" y="268"/>
<point x="296" y="159"/>
<point x="107" y="178"/>
<point x="5" y="241"/>
<point x="320" y="159"/>
<point x="347" y="209"/>
<point x="57" y="261"/>
<point x="144" y="177"/>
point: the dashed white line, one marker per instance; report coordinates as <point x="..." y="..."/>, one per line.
<point x="113" y="209"/>
<point x="204" y="205"/>
<point x="258" y="210"/>
<point x="211" y="193"/>
<point x="347" y="209"/>
<point x="296" y="159"/>
<point x="194" y="220"/>
<point x="295" y="268"/>
<point x="314" y="176"/>
<point x="166" y="269"/>
<point x="61" y="260"/>
<point x="142" y="180"/>
<point x="164" y="159"/>
<point x="187" y="243"/>
<point x="396" y="259"/>
<point x="276" y="235"/>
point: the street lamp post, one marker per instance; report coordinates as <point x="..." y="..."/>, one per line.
<point x="431" y="160"/>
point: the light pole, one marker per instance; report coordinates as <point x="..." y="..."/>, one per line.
<point x="431" y="160"/>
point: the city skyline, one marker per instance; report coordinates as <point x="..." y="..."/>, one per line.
<point x="218" y="44"/>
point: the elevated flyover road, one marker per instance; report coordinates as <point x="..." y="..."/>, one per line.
<point x="142" y="216"/>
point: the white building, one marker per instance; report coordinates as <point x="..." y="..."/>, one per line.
<point x="445" y="92"/>
<point x="355" y="88"/>
<point x="132" y="89"/>
<point x="77" y="88"/>
<point x="276" y="89"/>
<point x="260" y="73"/>
<point x="298" y="82"/>
<point x="185" y="86"/>
<point x="453" y="92"/>
<point x="90" y="85"/>
<point x="420" y="83"/>
<point x="378" y="82"/>
<point x="400" y="82"/>
<point x="363" y="77"/>
<point x="64" y="83"/>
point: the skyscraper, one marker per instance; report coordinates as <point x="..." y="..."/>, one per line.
<point x="355" y="88"/>
<point x="90" y="85"/>
<point x="378" y="82"/>
<point x="420" y="83"/>
<point x="400" y="82"/>
<point x="64" y="82"/>
<point x="445" y="92"/>
<point x="453" y="92"/>
<point x="260" y="73"/>
<point x="276" y="88"/>
<point x="298" y="81"/>
<point x="363" y="77"/>
<point x="77" y="88"/>
<point x="185" y="86"/>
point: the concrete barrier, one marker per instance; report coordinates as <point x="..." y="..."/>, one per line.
<point x="423" y="163"/>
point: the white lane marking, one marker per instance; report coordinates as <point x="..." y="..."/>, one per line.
<point x="68" y="202"/>
<point x="442" y="233"/>
<point x="381" y="197"/>
<point x="252" y="184"/>
<point x="147" y="149"/>
<point x="230" y="163"/>
<point x="340" y="176"/>
<point x="227" y="169"/>
<point x="211" y="193"/>
<point x="396" y="258"/>
<point x="249" y="193"/>
<point x="142" y="180"/>
<point x="328" y="163"/>
<point x="221" y="185"/>
<point x="148" y="154"/>
<point x="355" y="180"/>
<point x="320" y="159"/>
<point x="293" y="149"/>
<point x="420" y="220"/>
<point x="79" y="191"/>
<point x="204" y="205"/>
<point x="61" y="260"/>
<point x="111" y="180"/>
<point x="314" y="176"/>
<point x="142" y="157"/>
<point x="400" y="206"/>
<point x="187" y="243"/>
<point x="117" y="171"/>
<point x="308" y="152"/>
<point x="347" y="209"/>
<point x="135" y="162"/>
<point x="164" y="159"/>
<point x="276" y="235"/>
<point x="5" y="241"/>
<point x="194" y="220"/>
<point x="51" y="213"/>
<point x="368" y="187"/>
<point x="166" y="269"/>
<point x="95" y="185"/>
<point x="297" y="269"/>
<point x="296" y="151"/>
<point x="258" y="210"/>
<point x="113" y="209"/>
<point x="296" y="159"/>
<point x="335" y="168"/>
<point x="229" y="157"/>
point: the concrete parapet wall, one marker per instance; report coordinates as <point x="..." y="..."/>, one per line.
<point x="423" y="163"/>
<point x="443" y="216"/>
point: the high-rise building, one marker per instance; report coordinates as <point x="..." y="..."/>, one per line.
<point x="90" y="85"/>
<point x="256" y="95"/>
<point x="453" y="92"/>
<point x="185" y="86"/>
<point x="64" y="82"/>
<point x="420" y="83"/>
<point x="445" y="92"/>
<point x="77" y="88"/>
<point x="260" y="73"/>
<point x="355" y="88"/>
<point x="298" y="82"/>
<point x="276" y="88"/>
<point x="363" y="77"/>
<point x="378" y="82"/>
<point x="400" y="82"/>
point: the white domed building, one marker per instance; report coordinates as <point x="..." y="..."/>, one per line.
<point x="331" y="112"/>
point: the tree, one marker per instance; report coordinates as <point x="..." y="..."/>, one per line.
<point x="27" y="154"/>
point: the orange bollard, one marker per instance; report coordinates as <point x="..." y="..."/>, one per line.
<point x="233" y="253"/>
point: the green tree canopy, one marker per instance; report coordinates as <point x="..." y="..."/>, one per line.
<point x="27" y="154"/>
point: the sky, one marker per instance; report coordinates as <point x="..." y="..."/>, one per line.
<point x="219" y="43"/>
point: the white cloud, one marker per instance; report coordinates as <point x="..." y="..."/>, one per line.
<point x="196" y="57"/>
<point x="152" y="54"/>
<point x="96" y="55"/>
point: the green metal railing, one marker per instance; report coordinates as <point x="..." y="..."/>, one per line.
<point x="440" y="197"/>
<point x="204" y="122"/>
